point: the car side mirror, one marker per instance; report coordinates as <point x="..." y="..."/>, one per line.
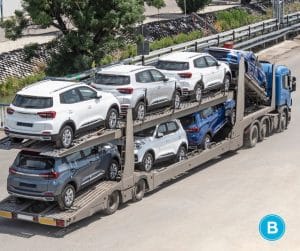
<point x="166" y="79"/>
<point x="98" y="95"/>
<point x="159" y="135"/>
<point x="218" y="64"/>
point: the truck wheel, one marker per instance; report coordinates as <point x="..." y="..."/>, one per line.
<point x="113" y="170"/>
<point x="113" y="202"/>
<point x="147" y="162"/>
<point x="226" y="83"/>
<point x="282" y="122"/>
<point x="67" y="197"/>
<point x="263" y="130"/>
<point x="252" y="137"/>
<point x="177" y="100"/>
<point x="139" y="190"/>
<point x="111" y="120"/>
<point x="139" y="111"/>
<point x="198" y="93"/>
<point x="66" y="136"/>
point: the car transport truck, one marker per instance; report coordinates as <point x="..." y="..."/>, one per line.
<point x="259" y="113"/>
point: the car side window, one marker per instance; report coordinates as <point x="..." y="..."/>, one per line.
<point x="144" y="77"/>
<point x="172" y="127"/>
<point x="157" y="76"/>
<point x="210" y="61"/>
<point x="200" y="62"/>
<point x="70" y="97"/>
<point x="162" y="129"/>
<point x="73" y="159"/>
<point x="87" y="93"/>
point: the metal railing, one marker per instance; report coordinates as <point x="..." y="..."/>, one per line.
<point x="2" y="114"/>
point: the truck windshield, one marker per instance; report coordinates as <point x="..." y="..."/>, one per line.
<point x="172" y="66"/>
<point x="32" y="102"/>
<point x="36" y="162"/>
<point x="107" y="79"/>
<point x="146" y="133"/>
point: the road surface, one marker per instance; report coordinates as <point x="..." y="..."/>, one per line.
<point x="215" y="207"/>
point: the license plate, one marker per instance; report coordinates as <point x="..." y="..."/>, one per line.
<point x="25" y="217"/>
<point x="24" y="124"/>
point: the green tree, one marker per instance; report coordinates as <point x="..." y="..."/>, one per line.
<point x="192" y="5"/>
<point x="156" y="3"/>
<point x="90" y="28"/>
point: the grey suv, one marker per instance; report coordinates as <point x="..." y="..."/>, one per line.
<point x="38" y="177"/>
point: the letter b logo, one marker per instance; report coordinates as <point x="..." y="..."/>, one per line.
<point x="272" y="227"/>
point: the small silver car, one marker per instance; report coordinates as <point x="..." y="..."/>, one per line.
<point x="38" y="177"/>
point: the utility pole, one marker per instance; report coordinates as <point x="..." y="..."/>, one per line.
<point x="1" y="9"/>
<point x="185" y="8"/>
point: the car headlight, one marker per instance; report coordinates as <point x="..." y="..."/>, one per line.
<point x="138" y="145"/>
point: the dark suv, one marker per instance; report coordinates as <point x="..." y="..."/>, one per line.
<point x="45" y="178"/>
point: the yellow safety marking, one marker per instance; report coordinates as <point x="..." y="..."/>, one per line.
<point x="47" y="221"/>
<point x="6" y="214"/>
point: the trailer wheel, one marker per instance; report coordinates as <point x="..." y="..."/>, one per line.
<point x="113" y="202"/>
<point x="282" y="122"/>
<point x="139" y="190"/>
<point x="252" y="137"/>
<point x="264" y="130"/>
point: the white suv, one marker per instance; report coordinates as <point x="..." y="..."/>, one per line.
<point x="142" y="88"/>
<point x="58" y="110"/>
<point x="159" y="143"/>
<point x="196" y="72"/>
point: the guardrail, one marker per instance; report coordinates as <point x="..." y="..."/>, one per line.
<point x="2" y="114"/>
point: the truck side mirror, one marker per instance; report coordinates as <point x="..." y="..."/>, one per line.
<point x="293" y="84"/>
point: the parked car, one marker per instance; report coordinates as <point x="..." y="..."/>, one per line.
<point x="196" y="72"/>
<point x="202" y="126"/>
<point x="58" y="110"/>
<point x="45" y="178"/>
<point x="166" y="141"/>
<point x="142" y="88"/>
<point x="232" y="57"/>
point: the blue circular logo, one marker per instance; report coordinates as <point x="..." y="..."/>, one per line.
<point x="272" y="227"/>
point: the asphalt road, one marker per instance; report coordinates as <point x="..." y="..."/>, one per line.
<point x="215" y="207"/>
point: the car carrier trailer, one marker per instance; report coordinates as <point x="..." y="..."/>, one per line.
<point x="251" y="124"/>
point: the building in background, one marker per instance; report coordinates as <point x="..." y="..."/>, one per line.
<point x="9" y="7"/>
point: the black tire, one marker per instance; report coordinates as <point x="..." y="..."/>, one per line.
<point x="147" y="162"/>
<point x="227" y="82"/>
<point x="111" y="121"/>
<point x="282" y="124"/>
<point x="67" y="197"/>
<point x="206" y="142"/>
<point x="198" y="93"/>
<point x="251" y="138"/>
<point x="113" y="170"/>
<point x="177" y="100"/>
<point x="16" y="140"/>
<point x="139" y="190"/>
<point x="113" y="203"/>
<point x="139" y="112"/>
<point x="181" y="153"/>
<point x="232" y="117"/>
<point x="263" y="130"/>
<point x="66" y="136"/>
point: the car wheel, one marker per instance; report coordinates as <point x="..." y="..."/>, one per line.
<point x="206" y="142"/>
<point x="177" y="100"/>
<point x="113" y="170"/>
<point x="147" y="162"/>
<point x="226" y="83"/>
<point x="139" y="190"/>
<point x="65" y="137"/>
<point x="181" y="153"/>
<point x="139" y="111"/>
<point x="113" y="202"/>
<point x="66" y="199"/>
<point x="198" y="93"/>
<point x="111" y="120"/>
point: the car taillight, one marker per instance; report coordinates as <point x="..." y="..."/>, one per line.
<point x="127" y="90"/>
<point x="185" y="74"/>
<point x="10" y="111"/>
<point x="193" y="129"/>
<point x="50" y="175"/>
<point x="47" y="115"/>
<point x="12" y="170"/>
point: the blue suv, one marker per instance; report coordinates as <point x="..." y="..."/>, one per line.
<point x="202" y="126"/>
<point x="45" y="178"/>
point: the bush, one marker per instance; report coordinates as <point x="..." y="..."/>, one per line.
<point x="192" y="5"/>
<point x="13" y="84"/>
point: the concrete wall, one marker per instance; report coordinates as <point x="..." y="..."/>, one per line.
<point x="9" y="6"/>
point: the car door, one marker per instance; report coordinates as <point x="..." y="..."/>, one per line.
<point x="173" y="138"/>
<point x="202" y="68"/>
<point x="166" y="87"/>
<point x="209" y="120"/>
<point x="161" y="142"/>
<point x="145" y="83"/>
<point x="216" y="71"/>
<point x="91" y="106"/>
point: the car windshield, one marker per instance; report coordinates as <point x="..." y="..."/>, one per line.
<point x="107" y="79"/>
<point x="146" y="133"/>
<point x="34" y="161"/>
<point x="32" y="102"/>
<point x="172" y="66"/>
<point x="218" y="54"/>
<point x="188" y="120"/>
